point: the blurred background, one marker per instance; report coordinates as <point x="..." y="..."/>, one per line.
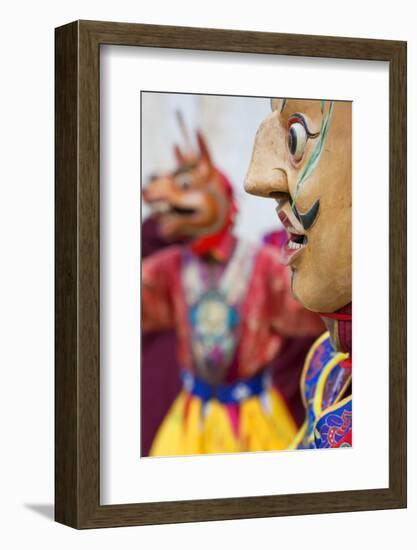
<point x="229" y="125"/>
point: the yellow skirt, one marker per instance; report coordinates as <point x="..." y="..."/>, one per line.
<point x="259" y="423"/>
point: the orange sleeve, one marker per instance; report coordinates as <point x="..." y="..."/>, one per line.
<point x="159" y="273"/>
<point x="288" y="316"/>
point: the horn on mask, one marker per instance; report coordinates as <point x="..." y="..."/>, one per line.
<point x="183" y="156"/>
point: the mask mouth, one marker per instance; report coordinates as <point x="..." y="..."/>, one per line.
<point x="162" y="207"/>
<point x="297" y="239"/>
<point x="182" y="210"/>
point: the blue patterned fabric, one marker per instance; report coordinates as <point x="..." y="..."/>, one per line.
<point x="325" y="380"/>
<point x="333" y="428"/>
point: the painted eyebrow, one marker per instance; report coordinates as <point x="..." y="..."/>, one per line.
<point x="300" y="118"/>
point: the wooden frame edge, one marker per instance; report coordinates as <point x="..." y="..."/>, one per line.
<point x="66" y="276"/>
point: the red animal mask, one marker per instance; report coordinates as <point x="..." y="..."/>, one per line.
<point x="195" y="201"/>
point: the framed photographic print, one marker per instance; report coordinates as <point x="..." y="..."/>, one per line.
<point x="226" y="201"/>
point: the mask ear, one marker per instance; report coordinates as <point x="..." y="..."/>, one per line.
<point x="203" y="149"/>
<point x="179" y="155"/>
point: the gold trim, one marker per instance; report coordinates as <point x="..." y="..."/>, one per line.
<point x="318" y="396"/>
<point x="299" y="437"/>
<point x="307" y="361"/>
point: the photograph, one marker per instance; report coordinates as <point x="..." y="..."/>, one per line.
<point x="246" y="304"/>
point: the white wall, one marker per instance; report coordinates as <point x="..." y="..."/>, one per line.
<point x="26" y="218"/>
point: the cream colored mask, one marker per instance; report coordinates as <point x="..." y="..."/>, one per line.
<point x="302" y="158"/>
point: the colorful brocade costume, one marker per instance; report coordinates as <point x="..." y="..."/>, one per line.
<point x="230" y="313"/>
<point x="325" y="385"/>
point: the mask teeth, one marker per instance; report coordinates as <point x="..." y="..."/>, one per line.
<point x="294" y="246"/>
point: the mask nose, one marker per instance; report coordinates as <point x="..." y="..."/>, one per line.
<point x="267" y="176"/>
<point x="156" y="189"/>
<point x="271" y="184"/>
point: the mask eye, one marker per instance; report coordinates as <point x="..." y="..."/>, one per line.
<point x="184" y="181"/>
<point x="297" y="139"/>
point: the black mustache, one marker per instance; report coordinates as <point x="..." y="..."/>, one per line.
<point x="309" y="217"/>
